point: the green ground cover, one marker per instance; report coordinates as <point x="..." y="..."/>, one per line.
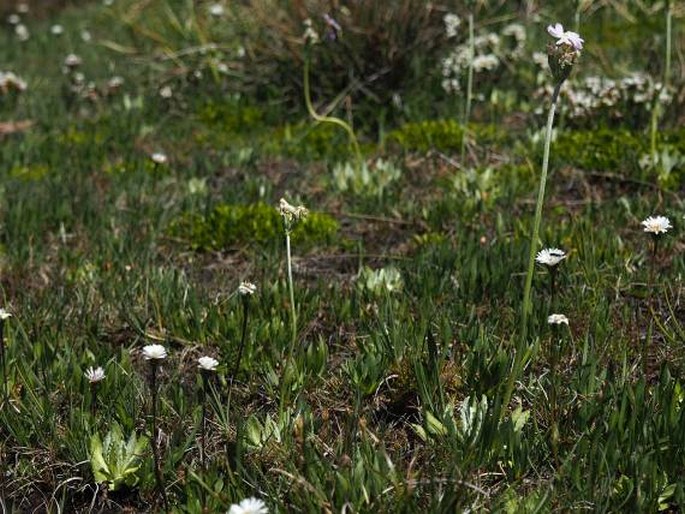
<point x="407" y="386"/>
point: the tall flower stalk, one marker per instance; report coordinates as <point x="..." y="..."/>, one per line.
<point x="4" y="316"/>
<point x="155" y="354"/>
<point x="291" y="217"/>
<point x="207" y="366"/>
<point x="561" y="55"/>
<point x="311" y="38"/>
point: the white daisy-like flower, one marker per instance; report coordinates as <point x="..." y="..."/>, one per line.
<point x="22" y="32"/>
<point x="154" y="352"/>
<point x="290" y="212"/>
<point x="72" y="61"/>
<point x="14" y="19"/>
<point x="4" y="314"/>
<point x="166" y="92"/>
<point x="159" y="158"/>
<point x="550" y="256"/>
<point x="657" y="224"/>
<point x="216" y="10"/>
<point x="95" y="375"/>
<point x="565" y="37"/>
<point x="207" y="363"/>
<point x="247" y="288"/>
<point x="249" y="506"/>
<point x="557" y="319"/>
<point x="57" y="30"/>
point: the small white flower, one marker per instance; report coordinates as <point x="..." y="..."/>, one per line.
<point x="452" y="23"/>
<point x="57" y="30"/>
<point x="72" y="61"/>
<point x="656" y="224"/>
<point x="207" y="363"/>
<point x="216" y="10"/>
<point x="557" y="319"/>
<point x="290" y="212"/>
<point x="248" y="506"/>
<point x="567" y="37"/>
<point x="22" y="32"/>
<point x="95" y="375"/>
<point x="159" y="158"/>
<point x="4" y="314"/>
<point x="14" y="19"/>
<point x="115" y="82"/>
<point x="550" y="256"/>
<point x="247" y="288"/>
<point x="154" y="352"/>
<point x="86" y="36"/>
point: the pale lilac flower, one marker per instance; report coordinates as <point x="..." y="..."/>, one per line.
<point x="550" y="256"/>
<point x="207" y="363"/>
<point x="557" y="319"/>
<point x="154" y="352"/>
<point x="248" y="506"/>
<point x="657" y="225"/>
<point x="95" y="375"/>
<point x="567" y="37"/>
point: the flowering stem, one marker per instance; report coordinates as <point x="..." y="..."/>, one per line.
<point x="204" y="420"/>
<point x="155" y="451"/>
<point x="327" y="119"/>
<point x="527" y="304"/>
<point x="469" y="88"/>
<point x="293" y="311"/>
<point x="3" y="362"/>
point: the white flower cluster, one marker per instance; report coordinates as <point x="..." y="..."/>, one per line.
<point x="619" y="99"/>
<point x="9" y="82"/>
<point x="490" y="51"/>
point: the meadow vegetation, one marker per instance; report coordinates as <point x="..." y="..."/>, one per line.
<point x="165" y="347"/>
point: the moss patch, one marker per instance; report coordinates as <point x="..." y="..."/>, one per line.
<point x="228" y="225"/>
<point x="442" y="135"/>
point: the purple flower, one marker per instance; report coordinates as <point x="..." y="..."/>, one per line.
<point x="333" y="28"/>
<point x="567" y="37"/>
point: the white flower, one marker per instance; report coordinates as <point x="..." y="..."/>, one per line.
<point x="290" y="212"/>
<point x="207" y="363"/>
<point x="550" y="256"/>
<point x="14" y="19"/>
<point x="57" y="30"/>
<point x="4" y="314"/>
<point x="248" y="506"/>
<point x="657" y="224"/>
<point x="557" y="319"/>
<point x="166" y="92"/>
<point x="95" y="375"/>
<point x="452" y="23"/>
<point x="216" y="10"/>
<point x="567" y="37"/>
<point x="72" y="61"/>
<point x="86" y="36"/>
<point x="154" y="352"/>
<point x="22" y="32"/>
<point x="485" y="62"/>
<point x="247" y="288"/>
<point x="159" y="158"/>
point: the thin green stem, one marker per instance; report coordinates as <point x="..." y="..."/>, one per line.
<point x="3" y="362"/>
<point x="667" y="69"/>
<point x="328" y="119"/>
<point x="527" y="303"/>
<point x="469" y="89"/>
<point x="155" y="450"/>
<point x="291" y="289"/>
